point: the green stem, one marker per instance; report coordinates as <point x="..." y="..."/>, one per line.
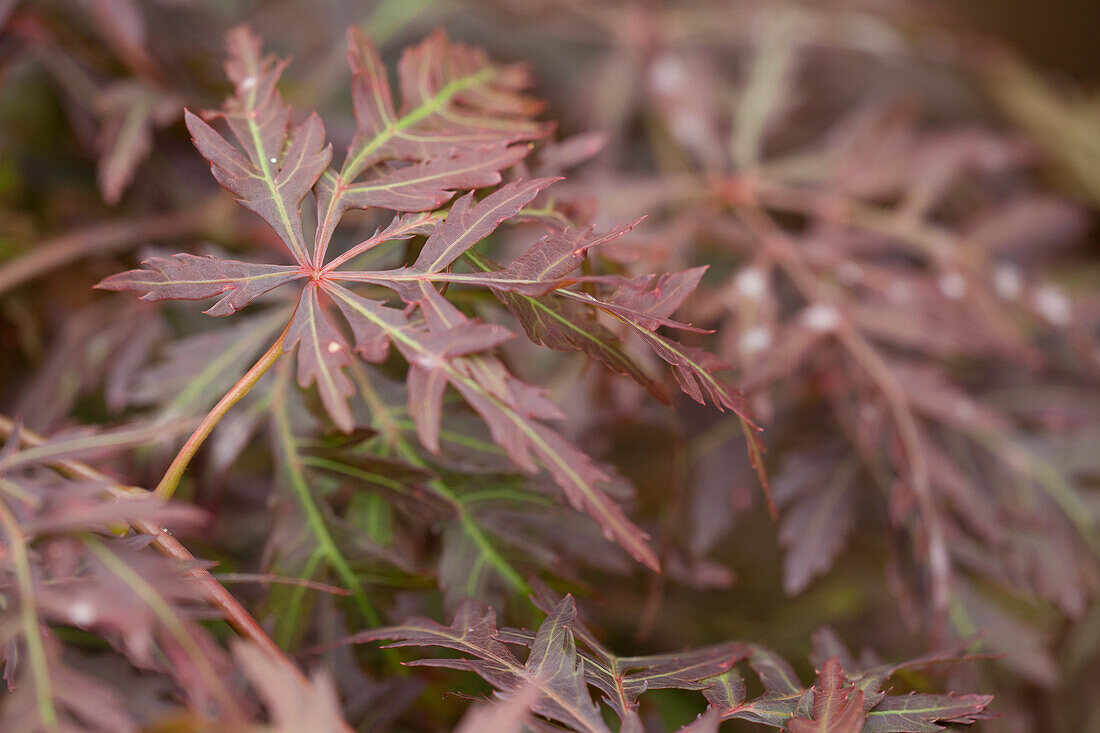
<point x="32" y="631"/>
<point x="314" y="518"/>
<point x="288" y="624"/>
<point x="172" y="476"/>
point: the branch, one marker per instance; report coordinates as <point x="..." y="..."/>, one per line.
<point x="104" y="238"/>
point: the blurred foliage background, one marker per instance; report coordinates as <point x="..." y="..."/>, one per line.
<point x="95" y="164"/>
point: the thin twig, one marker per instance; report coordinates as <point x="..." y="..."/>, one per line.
<point x="171" y="480"/>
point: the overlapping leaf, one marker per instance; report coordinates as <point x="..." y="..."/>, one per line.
<point x="509" y="407"/>
<point x="552" y="667"/>
<point x="835" y="704"/>
<point x="565" y="325"/>
<point x="281" y="161"/>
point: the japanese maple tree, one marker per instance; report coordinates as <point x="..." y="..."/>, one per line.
<point x="376" y="413"/>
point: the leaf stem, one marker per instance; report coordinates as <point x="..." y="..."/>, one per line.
<point x="172" y="476"/>
<point x="32" y="631"/>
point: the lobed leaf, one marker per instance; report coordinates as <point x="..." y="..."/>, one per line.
<point x="190" y="277"/>
<point x="651" y="306"/>
<point x="541" y="269"/>
<point x="452" y="97"/>
<point x="281" y="162"/>
<point x="553" y="666"/>
<point x="459" y="116"/>
<point x="294" y="703"/>
<point x="835" y="704"/>
<point x="565" y="325"/>
<point x="509" y="407"/>
<point x="554" y="662"/>
<point x="419" y="187"/>
<point x="322" y="356"/>
<point x="916" y="713"/>
<point x="816" y="522"/>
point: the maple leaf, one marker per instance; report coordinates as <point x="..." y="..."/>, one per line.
<point x="693" y="367"/>
<point x="565" y="325"/>
<point x="455" y="131"/>
<point x="781" y="696"/>
<point x="82" y="443"/>
<point x="546" y="264"/>
<point x="322" y="356"/>
<point x="469" y="222"/>
<point x="506" y="715"/>
<point x="838" y="702"/>
<point x="128" y="112"/>
<point x="280" y="165"/>
<point x="186" y="380"/>
<point x="644" y="309"/>
<point x="281" y="161"/>
<point x="817" y="519"/>
<point x="623" y="679"/>
<point x="76" y="700"/>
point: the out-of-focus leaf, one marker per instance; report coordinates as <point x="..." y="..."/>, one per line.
<point x="1065" y="125"/>
<point x="130" y="112"/>
<point x="88" y="444"/>
<point x="816" y="522"/>
<point x="82" y="702"/>
<point x="504" y="714"/>
<point x="294" y="704"/>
